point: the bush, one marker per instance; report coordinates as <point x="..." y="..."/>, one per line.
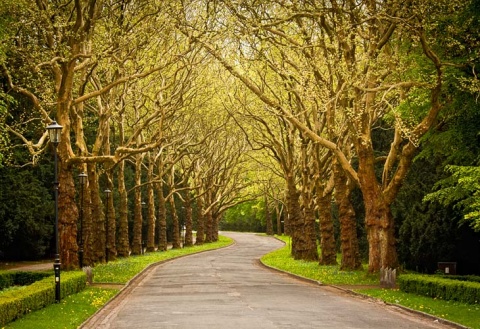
<point x="471" y="278"/>
<point x="7" y="279"/>
<point x="20" y="278"/>
<point x="16" y="303"/>
<point x="441" y="288"/>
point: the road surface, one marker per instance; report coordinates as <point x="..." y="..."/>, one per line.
<point x="227" y="288"/>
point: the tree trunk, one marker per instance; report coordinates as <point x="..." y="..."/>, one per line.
<point x="311" y="250"/>
<point x="162" y="217"/>
<point x="328" y="253"/>
<point x="300" y="249"/>
<point x="175" y="223"/>
<point x="215" y="222"/>
<point x="97" y="237"/>
<point x="67" y="219"/>
<point x="348" y="225"/>
<point x="268" y="218"/>
<point x="138" y="216"/>
<point x="378" y="217"/>
<point x="200" y="239"/>
<point x="308" y="203"/>
<point x="88" y="225"/>
<point x="111" y="222"/>
<point x="209" y="227"/>
<point x="123" y="239"/>
<point x="151" y="208"/>
<point x="188" y="220"/>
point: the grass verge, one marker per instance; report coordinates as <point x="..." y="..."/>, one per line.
<point x="72" y="311"/>
<point x="464" y="314"/>
<point x="330" y="274"/>
<point x="69" y="313"/>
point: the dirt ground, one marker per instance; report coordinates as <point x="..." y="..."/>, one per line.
<point x="27" y="266"/>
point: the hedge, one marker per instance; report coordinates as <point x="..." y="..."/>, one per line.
<point x="472" y="278"/>
<point x="20" y="278"/>
<point x="16" y="303"/>
<point x="441" y="288"/>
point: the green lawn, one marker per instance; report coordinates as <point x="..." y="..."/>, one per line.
<point x="331" y="274"/>
<point x="69" y="313"/>
<point x="465" y="314"/>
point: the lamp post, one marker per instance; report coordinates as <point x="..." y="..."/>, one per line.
<point x="183" y="234"/>
<point x="107" y="198"/>
<point x="54" y="131"/>
<point x="83" y="180"/>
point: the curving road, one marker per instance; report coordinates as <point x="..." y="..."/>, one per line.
<point x="227" y="288"/>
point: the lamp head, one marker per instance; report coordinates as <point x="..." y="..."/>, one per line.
<point x="82" y="178"/>
<point x="54" y="132"/>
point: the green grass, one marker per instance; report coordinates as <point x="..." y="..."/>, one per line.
<point x="72" y="311"/>
<point x="69" y="313"/>
<point x="465" y="314"/>
<point x="331" y="274"/>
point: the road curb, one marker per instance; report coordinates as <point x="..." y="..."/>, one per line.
<point x="373" y="299"/>
<point x="93" y="320"/>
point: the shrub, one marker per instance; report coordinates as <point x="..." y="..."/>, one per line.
<point x="7" y="279"/>
<point x="20" y="278"/>
<point x="441" y="288"/>
<point x="16" y="303"/>
<point x="471" y="278"/>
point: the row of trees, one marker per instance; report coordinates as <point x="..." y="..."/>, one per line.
<point x="327" y="74"/>
<point x="214" y="102"/>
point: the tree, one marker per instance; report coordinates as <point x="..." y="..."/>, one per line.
<point x="369" y="72"/>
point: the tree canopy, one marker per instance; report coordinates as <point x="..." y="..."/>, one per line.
<point x="186" y="109"/>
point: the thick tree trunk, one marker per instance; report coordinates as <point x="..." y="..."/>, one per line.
<point x="123" y="239"/>
<point x="151" y="208"/>
<point x="216" y="222"/>
<point x="162" y="218"/>
<point x="348" y="226"/>
<point x="328" y="253"/>
<point x="138" y="209"/>
<point x="309" y="229"/>
<point x="188" y="220"/>
<point x="378" y="217"/>
<point x="209" y="227"/>
<point x="111" y="222"/>
<point x="67" y="219"/>
<point x="88" y="258"/>
<point x="175" y="223"/>
<point x="300" y="248"/>
<point x="97" y="237"/>
<point x="308" y="205"/>
<point x="200" y="239"/>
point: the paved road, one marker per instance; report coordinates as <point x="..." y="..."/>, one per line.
<point x="227" y="288"/>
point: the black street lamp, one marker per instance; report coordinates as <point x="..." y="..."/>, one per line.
<point x="107" y="198"/>
<point x="54" y="131"/>
<point x="83" y="180"/>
